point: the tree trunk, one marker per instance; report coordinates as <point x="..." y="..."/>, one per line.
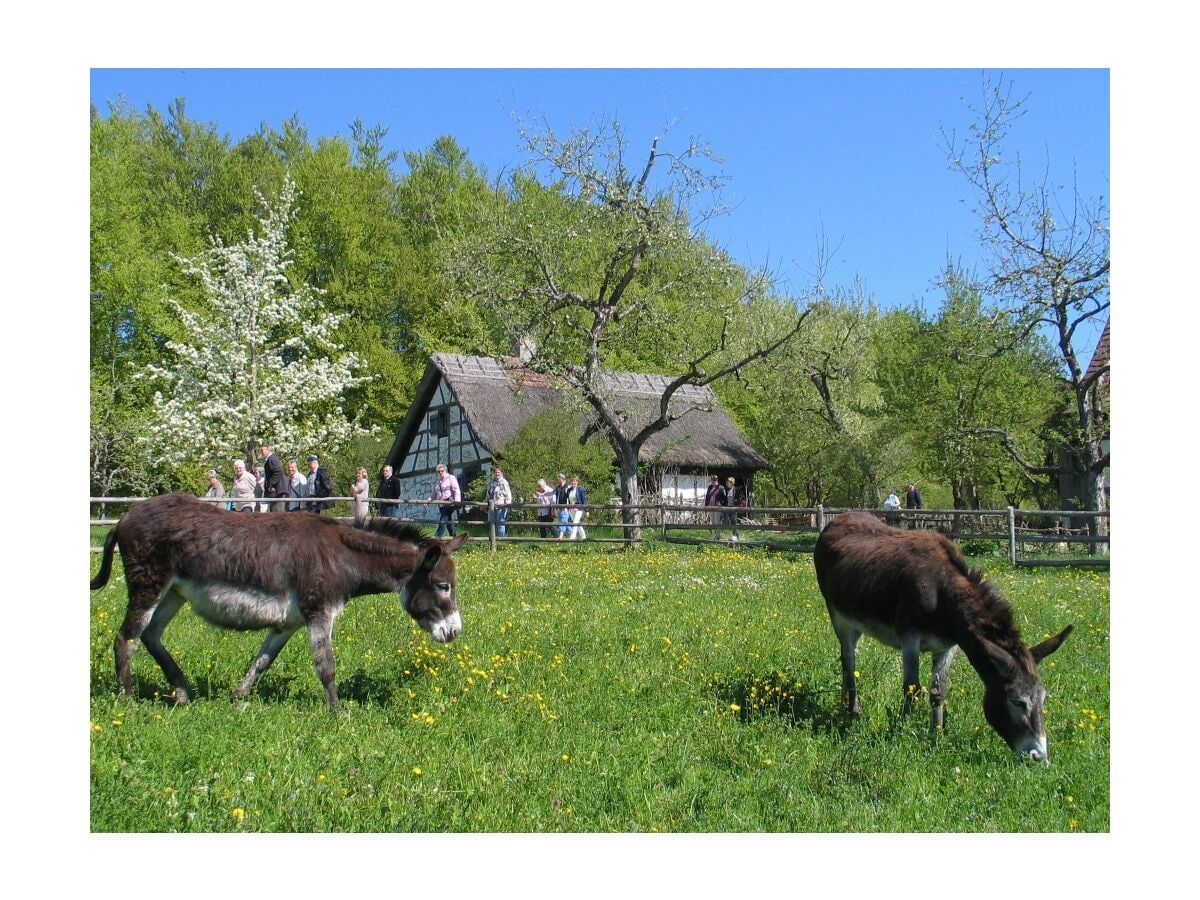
<point x="631" y="494"/>
<point x="966" y="493"/>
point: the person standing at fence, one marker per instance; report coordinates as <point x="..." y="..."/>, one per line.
<point x="275" y="482"/>
<point x="447" y="492"/>
<point x="891" y="507"/>
<point x="544" y="495"/>
<point x="732" y="500"/>
<point x="297" y="487"/>
<point x="715" y="496"/>
<point x="319" y="485"/>
<point x="216" y="490"/>
<point x="560" y="500"/>
<point x="912" y="498"/>
<point x="389" y="489"/>
<point x="360" y="489"/>
<point x="244" y="485"/>
<point x="577" y="508"/>
<point x="499" y="497"/>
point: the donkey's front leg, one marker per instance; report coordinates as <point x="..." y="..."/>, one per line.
<point x="910" y="656"/>
<point x="320" y="639"/>
<point x="938" y="682"/>
<point x="266" y="655"/>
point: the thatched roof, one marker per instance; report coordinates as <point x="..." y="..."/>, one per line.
<point x="498" y="396"/>
<point x="1099" y="358"/>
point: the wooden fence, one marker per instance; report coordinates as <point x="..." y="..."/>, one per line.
<point x="1029" y="537"/>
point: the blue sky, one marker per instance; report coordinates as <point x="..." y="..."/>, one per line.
<point x="850" y="154"/>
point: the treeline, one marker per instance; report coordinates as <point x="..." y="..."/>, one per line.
<point x="858" y="401"/>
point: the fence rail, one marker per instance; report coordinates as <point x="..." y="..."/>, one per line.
<point x="1027" y="535"/>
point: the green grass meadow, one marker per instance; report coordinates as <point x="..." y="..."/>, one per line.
<point x="596" y="690"/>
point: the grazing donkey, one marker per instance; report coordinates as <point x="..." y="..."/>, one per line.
<point x="913" y="590"/>
<point x="278" y="571"/>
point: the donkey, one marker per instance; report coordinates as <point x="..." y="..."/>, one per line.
<point x="278" y="571"/>
<point x="913" y="590"/>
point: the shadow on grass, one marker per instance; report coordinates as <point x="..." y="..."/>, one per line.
<point x="774" y="694"/>
<point x="366" y="689"/>
<point x="361" y="687"/>
<point x="157" y="690"/>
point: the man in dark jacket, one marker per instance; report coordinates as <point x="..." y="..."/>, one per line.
<point x="275" y="481"/>
<point x="733" y="498"/>
<point x="715" y="496"/>
<point x="319" y="484"/>
<point x="389" y="489"/>
<point x="913" y="498"/>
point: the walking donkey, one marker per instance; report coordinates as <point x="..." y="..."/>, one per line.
<point x="913" y="590"/>
<point x="279" y="571"/>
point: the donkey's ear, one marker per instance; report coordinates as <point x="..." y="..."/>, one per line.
<point x="1048" y="646"/>
<point x="1002" y="662"/>
<point x="433" y="553"/>
<point x="454" y="543"/>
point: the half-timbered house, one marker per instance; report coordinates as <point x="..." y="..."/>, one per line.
<point x="466" y="409"/>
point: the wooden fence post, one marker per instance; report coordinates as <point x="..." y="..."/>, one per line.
<point x="1012" y="536"/>
<point x="492" y="524"/>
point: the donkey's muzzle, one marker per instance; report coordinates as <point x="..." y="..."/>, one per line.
<point x="446" y="629"/>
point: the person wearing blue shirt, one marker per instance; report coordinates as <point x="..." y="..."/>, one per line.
<point x="499" y="496"/>
<point x="576" y="508"/>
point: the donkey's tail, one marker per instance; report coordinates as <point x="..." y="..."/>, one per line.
<point x="101" y="578"/>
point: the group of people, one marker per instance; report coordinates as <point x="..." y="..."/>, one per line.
<point x="565" y="503"/>
<point x="271" y="488"/>
<point x="561" y="508"/>
<point x="389" y="490"/>
<point x="912" y="499"/>
<point x="728" y="497"/>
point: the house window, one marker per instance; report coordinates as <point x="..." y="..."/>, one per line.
<point x="439" y="422"/>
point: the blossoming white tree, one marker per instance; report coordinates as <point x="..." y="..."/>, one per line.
<point x="259" y="361"/>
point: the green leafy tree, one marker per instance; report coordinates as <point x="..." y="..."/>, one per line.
<point x="140" y="211"/>
<point x="553" y="441"/>
<point x="970" y="368"/>
<point x="349" y="243"/>
<point x="815" y="411"/>
<point x="440" y="198"/>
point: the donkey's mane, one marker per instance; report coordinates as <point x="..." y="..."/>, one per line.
<point x="400" y="531"/>
<point x="993" y="612"/>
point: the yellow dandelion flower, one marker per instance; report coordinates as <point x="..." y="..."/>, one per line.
<point x="416" y="770"/>
<point x="238" y="814"/>
<point x="566" y="757"/>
